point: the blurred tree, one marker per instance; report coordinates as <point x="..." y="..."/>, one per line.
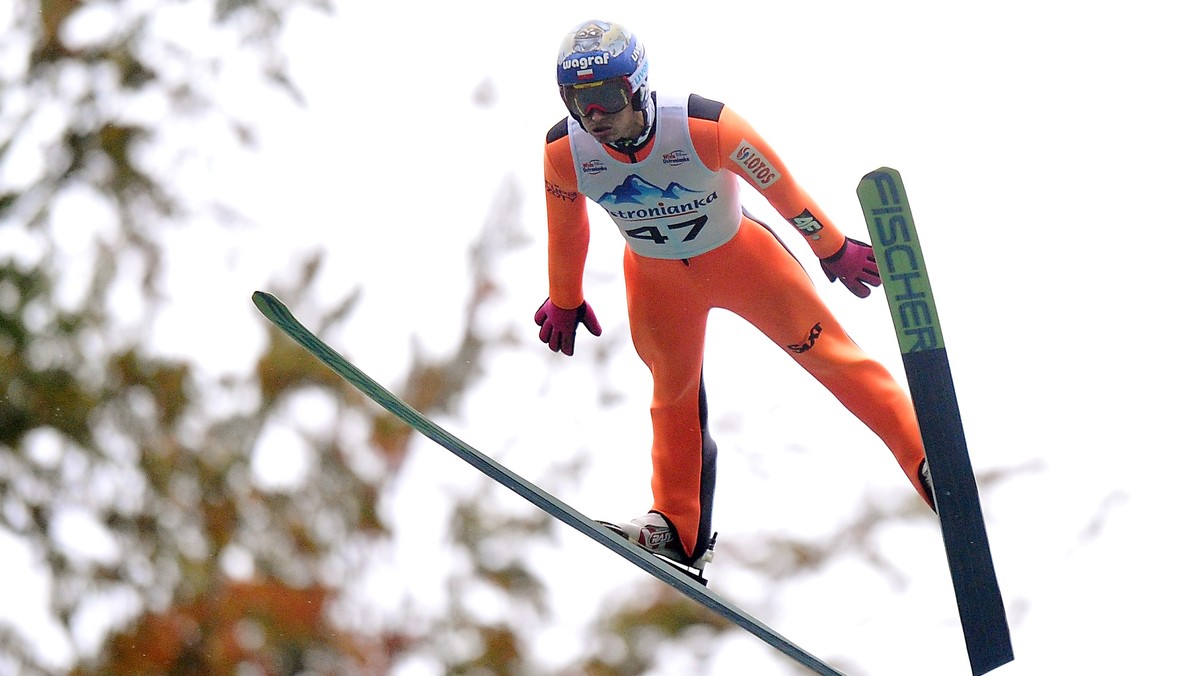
<point x="128" y="478"/>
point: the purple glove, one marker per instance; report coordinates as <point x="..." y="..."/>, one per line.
<point x="855" y="265"/>
<point x="558" y="325"/>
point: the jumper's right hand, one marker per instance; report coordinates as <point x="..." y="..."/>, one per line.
<point x="854" y="264"/>
<point x="558" y="325"/>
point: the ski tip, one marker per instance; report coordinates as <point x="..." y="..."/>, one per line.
<point x="266" y="303"/>
<point x="882" y="170"/>
<point x="260" y="298"/>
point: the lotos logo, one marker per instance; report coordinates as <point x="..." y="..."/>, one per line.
<point x="757" y="168"/>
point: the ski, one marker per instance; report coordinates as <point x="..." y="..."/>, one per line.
<point x="956" y="495"/>
<point x="683" y="581"/>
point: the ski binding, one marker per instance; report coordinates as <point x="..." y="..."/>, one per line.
<point x="695" y="570"/>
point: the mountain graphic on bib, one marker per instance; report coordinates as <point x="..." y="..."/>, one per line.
<point x="636" y="190"/>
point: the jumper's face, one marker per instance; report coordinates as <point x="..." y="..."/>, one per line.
<point x="626" y="123"/>
<point x="611" y="127"/>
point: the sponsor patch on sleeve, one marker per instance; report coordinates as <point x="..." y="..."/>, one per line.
<point x="561" y="194"/>
<point x="808" y="225"/>
<point x="759" y="171"/>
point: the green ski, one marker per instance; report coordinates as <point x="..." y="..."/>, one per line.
<point x="274" y="310"/>
<point x="910" y="297"/>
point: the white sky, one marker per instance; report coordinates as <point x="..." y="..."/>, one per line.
<point x="1049" y="152"/>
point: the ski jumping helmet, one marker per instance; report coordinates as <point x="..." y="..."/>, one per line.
<point x="602" y="65"/>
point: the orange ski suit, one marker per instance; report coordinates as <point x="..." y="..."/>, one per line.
<point x="752" y="275"/>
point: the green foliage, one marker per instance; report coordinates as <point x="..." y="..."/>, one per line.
<point x="40" y="388"/>
<point x="95" y="426"/>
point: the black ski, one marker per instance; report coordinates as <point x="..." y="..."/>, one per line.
<point x="681" y="580"/>
<point x="910" y="297"/>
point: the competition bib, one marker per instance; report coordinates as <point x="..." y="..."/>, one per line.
<point x="669" y="205"/>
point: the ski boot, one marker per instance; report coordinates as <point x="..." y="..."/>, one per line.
<point x="658" y="536"/>
<point x="927" y="483"/>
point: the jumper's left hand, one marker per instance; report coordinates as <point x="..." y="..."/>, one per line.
<point x="559" y="324"/>
<point x="855" y="265"/>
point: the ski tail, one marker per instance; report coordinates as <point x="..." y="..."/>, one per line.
<point x="923" y="349"/>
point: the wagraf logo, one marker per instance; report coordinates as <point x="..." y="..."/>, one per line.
<point x="585" y="62"/>
<point x="757" y="168"/>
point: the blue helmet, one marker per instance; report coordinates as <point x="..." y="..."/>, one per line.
<point x="595" y="51"/>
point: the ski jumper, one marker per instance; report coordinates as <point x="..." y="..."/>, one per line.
<point x="691" y="248"/>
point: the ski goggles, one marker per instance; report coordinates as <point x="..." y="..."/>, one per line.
<point x="607" y="96"/>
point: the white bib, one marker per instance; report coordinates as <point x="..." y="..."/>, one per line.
<point x="669" y="205"/>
